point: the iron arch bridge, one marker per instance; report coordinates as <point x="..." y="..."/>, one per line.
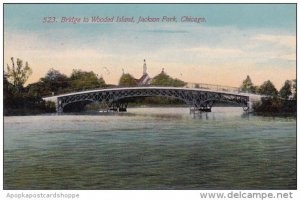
<point x="115" y="98"/>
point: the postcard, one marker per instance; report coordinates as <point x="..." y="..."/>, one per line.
<point x="149" y="96"/>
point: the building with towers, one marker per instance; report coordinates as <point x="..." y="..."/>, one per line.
<point x="145" y="79"/>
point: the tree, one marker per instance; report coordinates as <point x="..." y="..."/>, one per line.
<point x="23" y="101"/>
<point x="275" y="105"/>
<point x="55" y="82"/>
<point x="164" y="79"/>
<point x="268" y="88"/>
<point x="247" y="85"/>
<point x="178" y="83"/>
<point x="127" y="80"/>
<point x="286" y="90"/>
<point x="85" y="80"/>
<point x="8" y="93"/>
<point x="102" y="81"/>
<point x="38" y="89"/>
<point x="54" y="75"/>
<point x="294" y="85"/>
<point x="18" y="75"/>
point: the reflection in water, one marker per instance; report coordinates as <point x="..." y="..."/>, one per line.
<point x="203" y="116"/>
<point x="245" y="115"/>
<point x="150" y="148"/>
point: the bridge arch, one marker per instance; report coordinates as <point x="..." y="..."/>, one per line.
<point x="76" y="106"/>
<point x="158" y="95"/>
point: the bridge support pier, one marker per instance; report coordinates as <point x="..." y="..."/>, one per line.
<point x="250" y="107"/>
<point x="118" y="106"/>
<point x="59" y="108"/>
<point x="199" y="109"/>
<point x="201" y="106"/>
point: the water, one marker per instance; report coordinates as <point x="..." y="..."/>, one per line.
<point x="150" y="148"/>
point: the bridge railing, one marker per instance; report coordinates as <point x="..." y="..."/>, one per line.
<point x="213" y="87"/>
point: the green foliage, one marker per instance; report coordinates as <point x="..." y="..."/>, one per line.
<point x="39" y="89"/>
<point x="54" y="75"/>
<point x="82" y="80"/>
<point x="286" y="90"/>
<point x="101" y="82"/>
<point x="268" y="88"/>
<point x="18" y="75"/>
<point x="256" y="89"/>
<point x="163" y="79"/>
<point x="247" y="85"/>
<point x="127" y="80"/>
<point x="54" y="82"/>
<point x="294" y="86"/>
<point x="271" y="104"/>
<point x="9" y="91"/>
<point x="178" y="83"/>
<point x="18" y="102"/>
<point x="275" y="105"/>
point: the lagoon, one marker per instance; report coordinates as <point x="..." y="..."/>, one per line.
<point x="150" y="148"/>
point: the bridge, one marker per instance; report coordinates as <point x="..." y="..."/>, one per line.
<point x="199" y="97"/>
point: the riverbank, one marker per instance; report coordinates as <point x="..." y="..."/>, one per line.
<point x="25" y="112"/>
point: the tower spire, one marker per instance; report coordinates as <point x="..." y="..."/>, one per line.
<point x="144" y="68"/>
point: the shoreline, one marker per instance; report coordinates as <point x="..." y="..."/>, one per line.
<point x="39" y="113"/>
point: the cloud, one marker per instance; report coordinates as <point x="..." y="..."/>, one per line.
<point x="217" y="52"/>
<point x="253" y="48"/>
<point x="274" y="47"/>
<point x="284" y="40"/>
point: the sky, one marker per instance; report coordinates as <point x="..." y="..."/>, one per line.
<point x="235" y="40"/>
